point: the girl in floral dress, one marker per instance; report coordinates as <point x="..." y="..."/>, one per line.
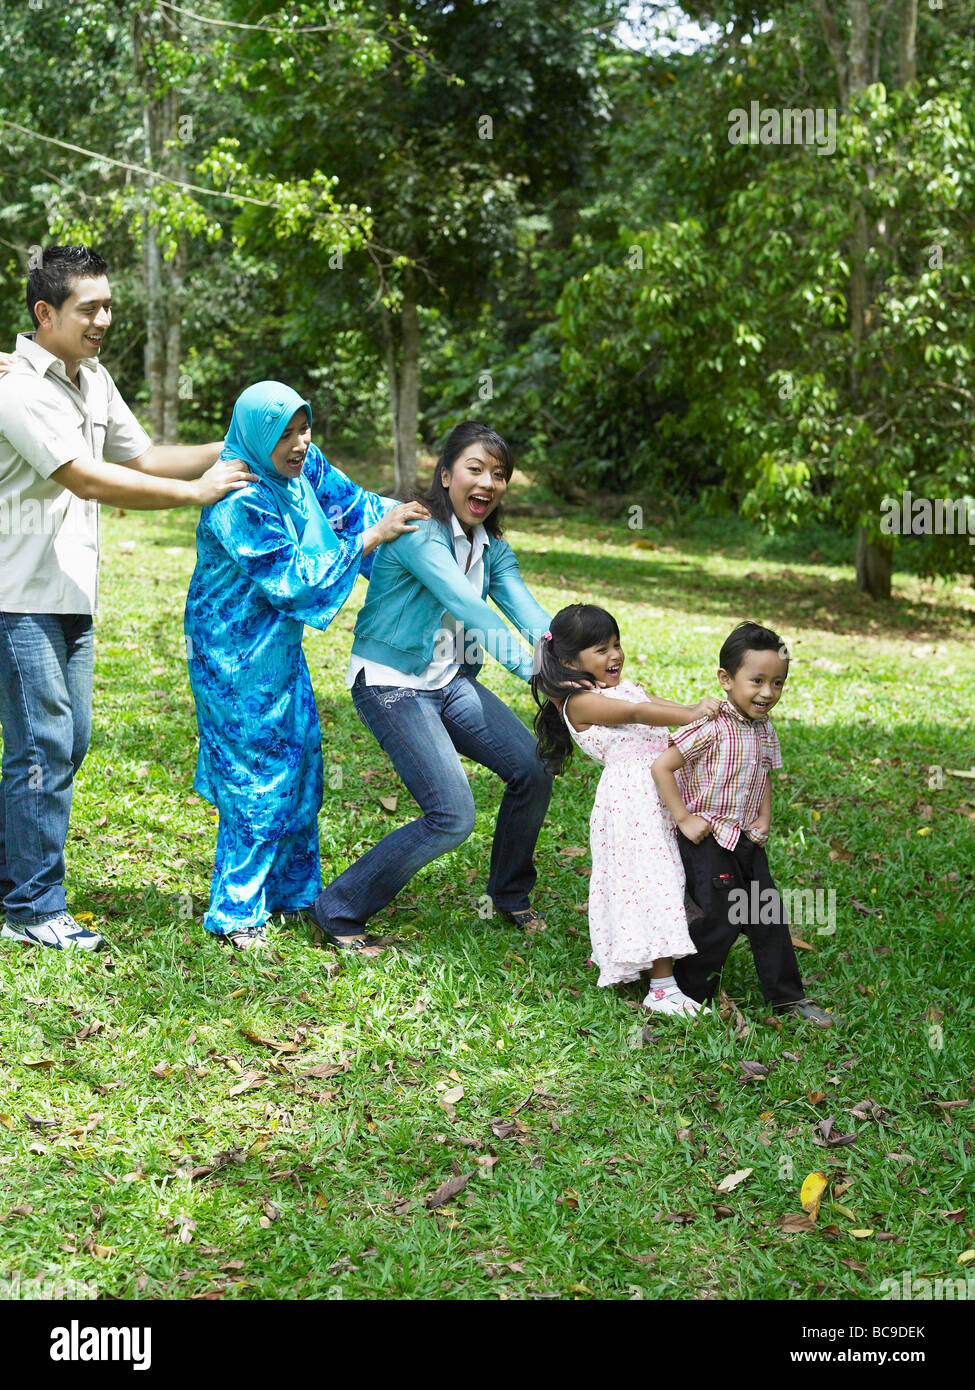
<point x="636" y="894"/>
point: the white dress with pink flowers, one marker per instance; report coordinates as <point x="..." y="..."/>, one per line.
<point x="636" y="893"/>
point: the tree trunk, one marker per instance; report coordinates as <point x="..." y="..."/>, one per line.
<point x="174" y="345"/>
<point x="858" y="67"/>
<point x="855" y="67"/>
<point x="875" y="565"/>
<point x="155" y="332"/>
<point x="907" y="42"/>
<point x="392" y="382"/>
<point x="163" y="280"/>
<point x="408" y="390"/>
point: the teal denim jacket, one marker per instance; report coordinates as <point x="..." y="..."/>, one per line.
<point x="416" y="577"/>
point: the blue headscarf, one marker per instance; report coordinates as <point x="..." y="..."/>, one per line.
<point x="261" y="415"/>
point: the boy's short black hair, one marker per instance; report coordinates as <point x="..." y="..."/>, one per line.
<point x="749" y="637"/>
<point x="50" y="274"/>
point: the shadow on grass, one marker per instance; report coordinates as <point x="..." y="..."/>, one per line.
<point x="808" y="596"/>
<point x="810" y="593"/>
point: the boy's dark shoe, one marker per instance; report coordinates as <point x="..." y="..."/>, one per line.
<point x="528" y="919"/>
<point x="812" y="1013"/>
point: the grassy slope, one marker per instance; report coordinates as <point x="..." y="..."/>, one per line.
<point x="605" y="1183"/>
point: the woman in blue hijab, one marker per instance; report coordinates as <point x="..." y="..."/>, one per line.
<point x="271" y="557"/>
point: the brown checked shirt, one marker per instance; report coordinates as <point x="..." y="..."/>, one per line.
<point x="727" y="762"/>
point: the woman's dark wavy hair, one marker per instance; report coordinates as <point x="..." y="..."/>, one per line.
<point x="461" y="437"/>
<point x="575" y="628"/>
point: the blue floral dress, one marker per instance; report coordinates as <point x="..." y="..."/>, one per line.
<point x="260" y="759"/>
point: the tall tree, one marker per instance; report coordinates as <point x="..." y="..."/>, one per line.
<point x="460" y="111"/>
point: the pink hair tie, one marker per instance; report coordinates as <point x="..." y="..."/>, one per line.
<point x="546" y="637"/>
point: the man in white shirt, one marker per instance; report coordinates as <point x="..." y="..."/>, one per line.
<point x="67" y="443"/>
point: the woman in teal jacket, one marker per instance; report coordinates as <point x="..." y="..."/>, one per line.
<point x="418" y="647"/>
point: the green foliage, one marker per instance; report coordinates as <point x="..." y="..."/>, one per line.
<point x="727" y="330"/>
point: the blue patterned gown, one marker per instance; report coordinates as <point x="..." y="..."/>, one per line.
<point x="260" y="761"/>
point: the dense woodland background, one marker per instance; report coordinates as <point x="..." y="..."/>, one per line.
<point x="530" y="212"/>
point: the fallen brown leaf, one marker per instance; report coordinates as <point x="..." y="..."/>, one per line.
<point x="503" y="1129"/>
<point x="248" y="1081"/>
<point x="447" y="1190"/>
<point x="796" y="1221"/>
<point x="24" y="1210"/>
<point x="322" y="1070"/>
<point x="268" y="1042"/>
<point x="729" y="1183"/>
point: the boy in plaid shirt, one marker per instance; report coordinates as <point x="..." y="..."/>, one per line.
<point x="723" y="811"/>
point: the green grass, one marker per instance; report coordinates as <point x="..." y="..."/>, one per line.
<point x="605" y="1187"/>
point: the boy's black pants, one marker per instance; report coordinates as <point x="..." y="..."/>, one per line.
<point x="712" y="874"/>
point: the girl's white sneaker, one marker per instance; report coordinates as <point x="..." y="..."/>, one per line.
<point x="672" y="1001"/>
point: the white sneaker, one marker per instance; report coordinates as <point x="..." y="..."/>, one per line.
<point x="672" y="1001"/>
<point x="60" y="933"/>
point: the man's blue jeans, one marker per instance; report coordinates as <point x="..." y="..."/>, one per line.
<point x="46" y="665"/>
<point x="423" y="732"/>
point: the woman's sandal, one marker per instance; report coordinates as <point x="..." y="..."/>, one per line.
<point x="360" y="943"/>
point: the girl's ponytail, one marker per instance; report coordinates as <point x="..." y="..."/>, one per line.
<point x="574" y="629"/>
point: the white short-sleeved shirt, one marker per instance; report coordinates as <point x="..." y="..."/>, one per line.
<point x="48" y="536"/>
<point x="441" y="669"/>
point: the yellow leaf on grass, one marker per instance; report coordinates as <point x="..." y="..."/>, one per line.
<point x="924" y="830"/>
<point x="6" y="1121"/>
<point x="238" y="992"/>
<point x="861" y="1234"/>
<point x="844" y="1211"/>
<point x="811" y="1192"/>
<point x="966" y="1257"/>
<point x="102" y="1252"/>
<point x="579" y="1288"/>
<point x="452" y="1096"/>
<point x="83" y="916"/>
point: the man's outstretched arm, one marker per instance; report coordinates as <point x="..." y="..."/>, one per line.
<point x="185" y="461"/>
<point x="126" y="485"/>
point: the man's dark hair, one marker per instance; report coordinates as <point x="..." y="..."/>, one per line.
<point x="50" y="274"/>
<point x="749" y="637"/>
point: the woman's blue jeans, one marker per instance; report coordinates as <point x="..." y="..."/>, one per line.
<point x="46" y="663"/>
<point x="424" y="733"/>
